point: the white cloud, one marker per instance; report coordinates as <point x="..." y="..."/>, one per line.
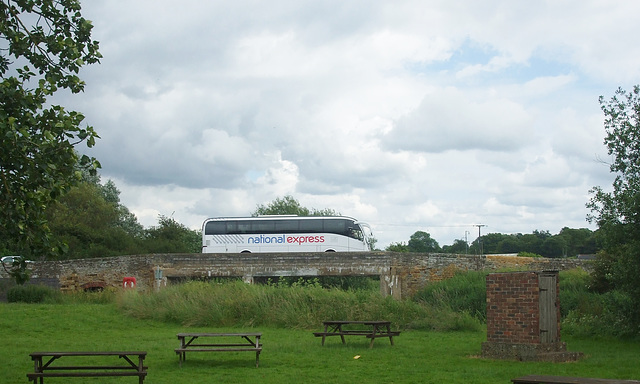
<point x="413" y="116"/>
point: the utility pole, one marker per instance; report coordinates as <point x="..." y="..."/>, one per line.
<point x="479" y="239"/>
<point x="466" y="242"/>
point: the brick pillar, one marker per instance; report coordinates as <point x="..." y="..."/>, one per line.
<point x="512" y="308"/>
<point x="515" y="329"/>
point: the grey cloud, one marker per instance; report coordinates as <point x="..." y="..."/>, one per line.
<point x="447" y="120"/>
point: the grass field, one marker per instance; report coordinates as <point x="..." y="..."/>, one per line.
<point x="289" y="356"/>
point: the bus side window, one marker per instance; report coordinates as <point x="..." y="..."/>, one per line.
<point x="215" y="228"/>
<point x="244" y="227"/>
<point x="336" y="226"/>
<point x="263" y="226"/>
<point x="231" y="227"/>
<point x="287" y="226"/>
<point x="310" y="226"/>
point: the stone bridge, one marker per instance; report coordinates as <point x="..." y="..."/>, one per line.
<point x="401" y="274"/>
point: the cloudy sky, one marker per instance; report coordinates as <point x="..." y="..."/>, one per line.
<point x="409" y="115"/>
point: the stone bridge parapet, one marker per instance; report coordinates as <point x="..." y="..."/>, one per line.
<point x="401" y="274"/>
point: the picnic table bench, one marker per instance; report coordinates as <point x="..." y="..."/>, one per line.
<point x="249" y="342"/>
<point x="543" y="379"/>
<point x="44" y="367"/>
<point x="370" y="329"/>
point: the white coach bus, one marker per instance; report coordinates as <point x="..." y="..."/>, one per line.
<point x="285" y="234"/>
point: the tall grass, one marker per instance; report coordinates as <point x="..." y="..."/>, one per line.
<point x="458" y="303"/>
<point x="297" y="307"/>
<point x="575" y="294"/>
<point x="464" y="292"/>
<point x="33" y="293"/>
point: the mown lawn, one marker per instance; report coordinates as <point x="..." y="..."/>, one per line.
<point x="289" y="356"/>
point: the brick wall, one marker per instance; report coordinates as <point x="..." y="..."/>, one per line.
<point x="513" y="308"/>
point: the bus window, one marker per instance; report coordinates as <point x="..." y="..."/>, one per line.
<point x="310" y="226"/>
<point x="263" y="226"/>
<point x="216" y="228"/>
<point x="244" y="227"/>
<point x="287" y="226"/>
<point x="335" y="226"/>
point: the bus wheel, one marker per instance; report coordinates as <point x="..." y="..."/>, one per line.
<point x="245" y="252"/>
<point x="330" y="250"/>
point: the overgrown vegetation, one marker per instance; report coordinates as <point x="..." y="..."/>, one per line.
<point x="298" y="306"/>
<point x="584" y="311"/>
<point x="40" y="294"/>
<point x="32" y="294"/>
<point x="463" y="293"/>
<point x="454" y="304"/>
<point x="344" y="283"/>
<point x="587" y="312"/>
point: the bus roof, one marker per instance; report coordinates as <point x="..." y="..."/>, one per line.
<point x="278" y="217"/>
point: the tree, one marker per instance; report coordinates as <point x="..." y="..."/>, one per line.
<point x="169" y="236"/>
<point x="459" y="246"/>
<point x="553" y="247"/>
<point x="509" y="244"/>
<point x="532" y="242"/>
<point x="491" y="242"/>
<point x="397" y="247"/>
<point x="617" y="213"/>
<point x="43" y="45"/>
<point x="288" y="205"/>
<point x="422" y="242"/>
<point x="90" y="225"/>
<point x="126" y="220"/>
<point x="579" y="241"/>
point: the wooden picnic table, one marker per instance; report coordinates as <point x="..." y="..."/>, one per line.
<point x="44" y="365"/>
<point x="371" y="329"/>
<point x="248" y="342"/>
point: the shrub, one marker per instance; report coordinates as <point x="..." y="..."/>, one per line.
<point x="585" y="312"/>
<point x="574" y="294"/>
<point x="32" y="294"/>
<point x="607" y="317"/>
<point x="528" y="254"/>
<point x="105" y="296"/>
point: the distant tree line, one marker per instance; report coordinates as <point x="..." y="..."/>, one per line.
<point x="568" y="243"/>
<point x="90" y="221"/>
